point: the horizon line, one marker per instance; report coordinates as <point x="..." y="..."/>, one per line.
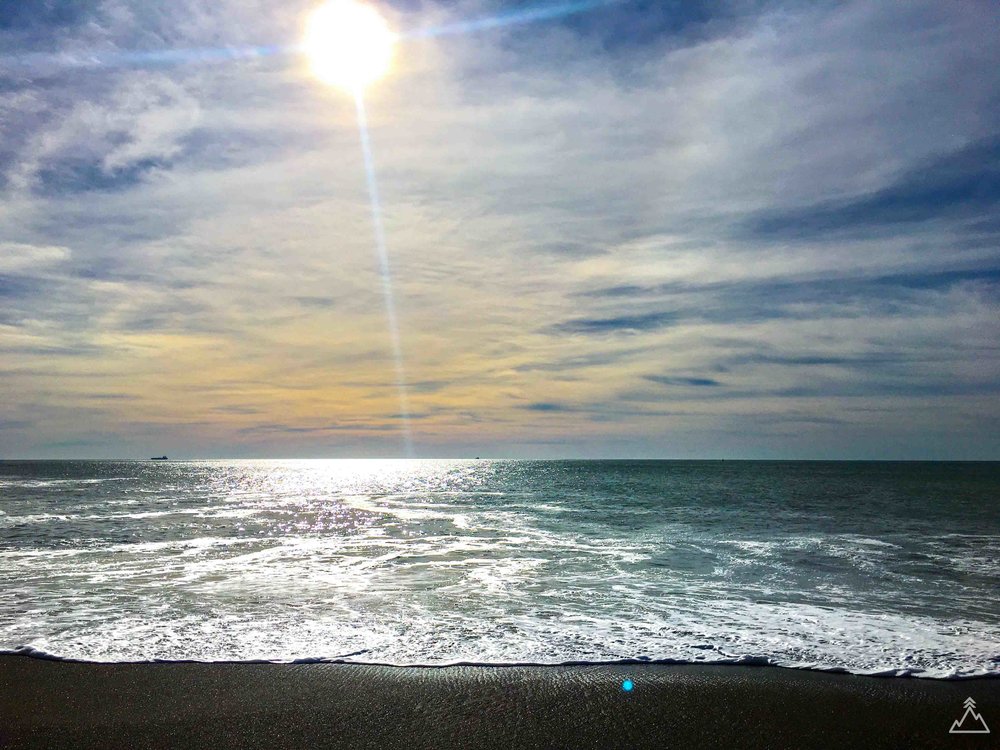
<point x="508" y="458"/>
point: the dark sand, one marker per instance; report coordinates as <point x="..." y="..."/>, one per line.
<point x="57" y="705"/>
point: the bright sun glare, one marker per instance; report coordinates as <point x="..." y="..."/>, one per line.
<point x="349" y="44"/>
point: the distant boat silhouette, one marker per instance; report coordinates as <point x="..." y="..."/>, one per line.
<point x="158" y="458"/>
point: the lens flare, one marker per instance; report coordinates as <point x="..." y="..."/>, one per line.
<point x="348" y="44"/>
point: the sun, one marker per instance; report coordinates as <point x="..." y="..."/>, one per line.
<point x="349" y="44"/>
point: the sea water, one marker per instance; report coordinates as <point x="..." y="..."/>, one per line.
<point x="889" y="568"/>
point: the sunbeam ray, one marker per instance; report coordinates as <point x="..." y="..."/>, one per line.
<point x="386" y="275"/>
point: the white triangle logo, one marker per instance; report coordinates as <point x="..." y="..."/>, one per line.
<point x="971" y="722"/>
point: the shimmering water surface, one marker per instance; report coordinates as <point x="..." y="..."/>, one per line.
<point x="869" y="567"/>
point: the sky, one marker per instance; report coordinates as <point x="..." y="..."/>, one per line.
<point x="666" y="230"/>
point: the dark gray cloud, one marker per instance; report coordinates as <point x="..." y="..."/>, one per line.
<point x="320" y="302"/>
<point x="834" y="287"/>
<point x="755" y="300"/>
<point x="548" y="406"/>
<point x="964" y="184"/>
<point x="51" y="350"/>
<point x="68" y="175"/>
<point x="619" y="323"/>
<point x="236" y="409"/>
<point x="267" y="428"/>
<point x="683" y="380"/>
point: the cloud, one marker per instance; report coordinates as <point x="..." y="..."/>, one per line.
<point x="782" y="211"/>
<point x="138" y="128"/>
<point x="621" y="323"/>
<point x="964" y="184"/>
<point x="547" y="406"/>
<point x="20" y="258"/>
<point x="690" y="381"/>
<point x="297" y="429"/>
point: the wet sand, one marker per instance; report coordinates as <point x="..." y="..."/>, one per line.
<point x="69" y="705"/>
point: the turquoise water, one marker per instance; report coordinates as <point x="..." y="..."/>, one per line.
<point x="890" y="568"/>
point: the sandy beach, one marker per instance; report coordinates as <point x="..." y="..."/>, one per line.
<point x="61" y="705"/>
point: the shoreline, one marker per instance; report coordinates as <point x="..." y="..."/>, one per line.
<point x="49" y="703"/>
<point x="347" y="659"/>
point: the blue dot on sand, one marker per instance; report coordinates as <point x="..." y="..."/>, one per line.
<point x="627" y="686"/>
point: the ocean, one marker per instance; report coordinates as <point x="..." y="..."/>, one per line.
<point x="866" y="567"/>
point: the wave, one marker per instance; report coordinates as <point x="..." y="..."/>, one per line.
<point x="29" y="483"/>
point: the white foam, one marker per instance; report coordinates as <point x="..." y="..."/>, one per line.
<point x="714" y="632"/>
